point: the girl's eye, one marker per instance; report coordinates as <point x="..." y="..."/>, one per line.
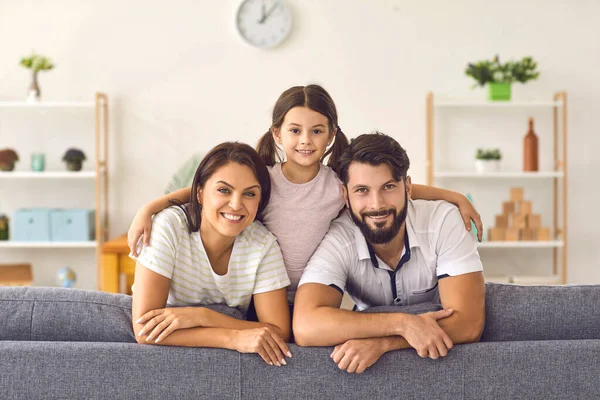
<point x="317" y="131"/>
<point x="295" y="130"/>
<point x="223" y="190"/>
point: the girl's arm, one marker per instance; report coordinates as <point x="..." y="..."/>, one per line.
<point x="142" y="222"/>
<point x="181" y="326"/>
<point x="466" y="208"/>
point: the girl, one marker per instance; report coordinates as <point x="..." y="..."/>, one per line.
<point x="307" y="195"/>
<point x="211" y="251"/>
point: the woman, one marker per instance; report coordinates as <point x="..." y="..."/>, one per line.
<point x="212" y="251"/>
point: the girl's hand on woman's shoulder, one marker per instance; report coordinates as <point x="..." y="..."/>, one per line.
<point x="140" y="228"/>
<point x="162" y="322"/>
<point x="264" y="341"/>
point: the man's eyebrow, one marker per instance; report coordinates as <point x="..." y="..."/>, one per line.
<point x="248" y="188"/>
<point x="367" y="186"/>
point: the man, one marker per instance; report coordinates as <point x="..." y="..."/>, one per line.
<point x="387" y="249"/>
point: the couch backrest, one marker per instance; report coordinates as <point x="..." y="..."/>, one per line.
<point x="516" y="312"/>
<point x="59" y="314"/>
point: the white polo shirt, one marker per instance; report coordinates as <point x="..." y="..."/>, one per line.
<point x="438" y="246"/>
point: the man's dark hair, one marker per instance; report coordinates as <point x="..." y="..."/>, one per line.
<point x="374" y="149"/>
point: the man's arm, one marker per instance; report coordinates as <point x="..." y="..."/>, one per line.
<point x="465" y="294"/>
<point x="318" y="320"/>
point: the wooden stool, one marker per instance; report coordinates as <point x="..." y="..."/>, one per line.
<point x="117" y="268"/>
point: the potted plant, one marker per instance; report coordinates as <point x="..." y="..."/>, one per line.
<point x="74" y="159"/>
<point x="36" y="63"/>
<point x="499" y="77"/>
<point x="8" y="158"/>
<point x="487" y="160"/>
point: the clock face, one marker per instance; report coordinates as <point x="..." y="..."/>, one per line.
<point x="264" y="23"/>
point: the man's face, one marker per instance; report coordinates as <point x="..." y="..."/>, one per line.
<point x="377" y="202"/>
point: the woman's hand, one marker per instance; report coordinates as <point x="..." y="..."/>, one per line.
<point x="162" y="322"/>
<point x="140" y="228"/>
<point x="469" y="213"/>
<point x="264" y="341"/>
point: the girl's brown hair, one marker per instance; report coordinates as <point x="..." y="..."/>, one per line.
<point x="219" y="156"/>
<point x="315" y="98"/>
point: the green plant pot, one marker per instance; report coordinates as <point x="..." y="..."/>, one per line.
<point x="7" y="167"/>
<point x="499" y="91"/>
<point x="74" y="165"/>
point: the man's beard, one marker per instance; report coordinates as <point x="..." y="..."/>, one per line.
<point x="381" y="235"/>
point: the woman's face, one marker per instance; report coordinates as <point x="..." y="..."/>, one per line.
<point x="229" y="200"/>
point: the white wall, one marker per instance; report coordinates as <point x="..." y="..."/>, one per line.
<point x="181" y="80"/>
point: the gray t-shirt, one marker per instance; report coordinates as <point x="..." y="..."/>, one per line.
<point x="299" y="216"/>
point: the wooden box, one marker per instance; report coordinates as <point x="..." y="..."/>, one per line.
<point x="525" y="207"/>
<point x="513" y="234"/>
<point x="534" y="221"/>
<point x="528" y="234"/>
<point x="508" y="207"/>
<point x="516" y="194"/>
<point x="15" y="275"/>
<point x="502" y="221"/>
<point x="497" y="234"/>
<point x="519" y="221"/>
<point x="543" y="234"/>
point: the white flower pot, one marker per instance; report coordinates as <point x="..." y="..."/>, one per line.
<point x="487" y="166"/>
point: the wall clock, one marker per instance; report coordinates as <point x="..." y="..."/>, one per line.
<point x="264" y="23"/>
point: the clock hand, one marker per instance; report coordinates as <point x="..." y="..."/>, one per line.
<point x="269" y="12"/>
<point x="262" y="13"/>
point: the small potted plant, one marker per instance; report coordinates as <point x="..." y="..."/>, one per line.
<point x="487" y="160"/>
<point x="36" y="63"/>
<point x="74" y="159"/>
<point x="8" y="158"/>
<point x="499" y="77"/>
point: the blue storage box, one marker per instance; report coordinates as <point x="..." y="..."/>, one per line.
<point x="72" y="225"/>
<point x="31" y="225"/>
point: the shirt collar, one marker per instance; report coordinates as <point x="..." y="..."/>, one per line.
<point x="361" y="242"/>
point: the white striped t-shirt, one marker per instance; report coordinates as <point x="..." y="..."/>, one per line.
<point x="255" y="266"/>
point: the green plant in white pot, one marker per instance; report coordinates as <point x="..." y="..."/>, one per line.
<point x="36" y="63"/>
<point x="487" y="160"/>
<point x="499" y="77"/>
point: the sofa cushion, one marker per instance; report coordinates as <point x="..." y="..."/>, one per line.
<point x="516" y="312"/>
<point x="59" y="314"/>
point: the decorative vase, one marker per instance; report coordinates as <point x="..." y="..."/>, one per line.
<point x="34" y="93"/>
<point x="499" y="91"/>
<point x="38" y="162"/>
<point x="530" y="150"/>
<point x="487" y="166"/>
<point x="74" y="165"/>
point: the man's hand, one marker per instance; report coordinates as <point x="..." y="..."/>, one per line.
<point x="424" y="334"/>
<point x="357" y="355"/>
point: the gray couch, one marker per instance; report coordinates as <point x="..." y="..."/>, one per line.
<point x="539" y="342"/>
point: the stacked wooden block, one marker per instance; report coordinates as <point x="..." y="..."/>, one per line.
<point x="517" y="221"/>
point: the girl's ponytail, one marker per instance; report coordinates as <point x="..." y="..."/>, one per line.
<point x="335" y="152"/>
<point x="267" y="149"/>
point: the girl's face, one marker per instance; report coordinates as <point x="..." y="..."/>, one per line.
<point x="304" y="136"/>
<point x="229" y="200"/>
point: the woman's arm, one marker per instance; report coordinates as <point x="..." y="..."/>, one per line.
<point x="142" y="222"/>
<point x="181" y="326"/>
<point x="466" y="208"/>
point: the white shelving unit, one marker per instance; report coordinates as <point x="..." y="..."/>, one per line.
<point x="558" y="176"/>
<point x="98" y="176"/>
